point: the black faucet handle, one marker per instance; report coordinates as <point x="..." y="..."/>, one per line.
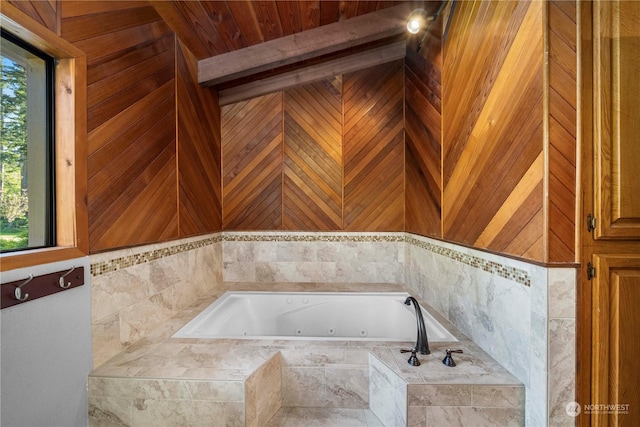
<point x="413" y="360"/>
<point x="448" y="360"/>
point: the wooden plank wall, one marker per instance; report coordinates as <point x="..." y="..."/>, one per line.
<point x="199" y="147"/>
<point x="43" y="12"/>
<point x="312" y="193"/>
<point x="562" y="131"/>
<point x="131" y="121"/>
<point x="423" y="107"/>
<point x="289" y="163"/>
<point x="132" y="192"/>
<point x="373" y="145"/>
<point x="252" y="138"/>
<point x="493" y="163"/>
<point x="149" y="180"/>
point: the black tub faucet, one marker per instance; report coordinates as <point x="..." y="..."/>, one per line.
<point x="422" y="342"/>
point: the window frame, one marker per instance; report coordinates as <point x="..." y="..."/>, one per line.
<point x="49" y="133"/>
<point x="70" y="130"/>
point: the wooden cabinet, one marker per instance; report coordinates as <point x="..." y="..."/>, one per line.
<point x="609" y="292"/>
<point x="616" y="334"/>
<point x="616" y="31"/>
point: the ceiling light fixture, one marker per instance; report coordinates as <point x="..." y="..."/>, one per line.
<point x="418" y="20"/>
<point x="413" y="26"/>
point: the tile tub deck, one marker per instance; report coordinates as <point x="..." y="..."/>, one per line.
<point x="182" y="381"/>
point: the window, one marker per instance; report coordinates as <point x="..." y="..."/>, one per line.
<point x="68" y="234"/>
<point x="27" y="214"/>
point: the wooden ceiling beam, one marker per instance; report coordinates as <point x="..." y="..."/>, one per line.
<point x="304" y="45"/>
<point x="312" y="73"/>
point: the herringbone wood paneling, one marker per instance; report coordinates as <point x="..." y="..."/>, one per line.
<point x="312" y="193"/>
<point x="373" y="145"/>
<point x="252" y="164"/>
<point x="132" y="192"/>
<point x="493" y="127"/>
<point x="562" y="131"/>
<point x="423" y="158"/>
<point x="199" y="151"/>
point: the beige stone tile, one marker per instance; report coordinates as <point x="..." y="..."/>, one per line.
<point x="106" y="339"/>
<point x="159" y="412"/>
<point x="561" y="369"/>
<point x="108" y="370"/>
<point x="234" y="414"/>
<point x="219" y="391"/>
<point x="438" y="395"/>
<point x="162" y="371"/>
<point x="304" y="387"/>
<point x="387" y="394"/>
<point x="139" y="319"/>
<point x="313" y="357"/>
<point x="325" y="417"/>
<point x="115" y="291"/>
<point x="239" y="271"/>
<point x="347" y="388"/>
<point x="156" y="389"/>
<point x="263" y="392"/>
<point x="496" y="396"/>
<point x="185" y="293"/>
<point x="167" y="271"/>
<point x="416" y="416"/>
<point x="278" y="418"/>
<point x="111" y="387"/>
<point x="562" y="293"/>
<point x="110" y="411"/>
<point x="474" y="416"/>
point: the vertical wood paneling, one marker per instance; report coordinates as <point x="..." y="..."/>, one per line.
<point x="309" y="13"/>
<point x="423" y="134"/>
<point x="199" y="151"/>
<point x="493" y="127"/>
<point x="252" y="164"/>
<point x="266" y="13"/>
<point x="43" y="12"/>
<point x="562" y="131"/>
<point x="373" y="147"/>
<point x="313" y="156"/>
<point x="132" y="193"/>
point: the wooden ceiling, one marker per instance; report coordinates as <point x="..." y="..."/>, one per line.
<point x="210" y="28"/>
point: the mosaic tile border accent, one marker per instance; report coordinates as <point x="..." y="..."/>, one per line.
<point x="511" y="273"/>
<point x="312" y="238"/>
<point x="120" y="263"/>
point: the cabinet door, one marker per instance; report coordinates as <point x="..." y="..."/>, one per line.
<point x="616" y="340"/>
<point x="617" y="118"/>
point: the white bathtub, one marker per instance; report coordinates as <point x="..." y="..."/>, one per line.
<point x="345" y="316"/>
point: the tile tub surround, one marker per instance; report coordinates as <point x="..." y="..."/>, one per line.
<point x="134" y="290"/>
<point x="165" y="381"/>
<point x="522" y="314"/>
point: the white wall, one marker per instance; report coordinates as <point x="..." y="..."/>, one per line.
<point x="45" y="354"/>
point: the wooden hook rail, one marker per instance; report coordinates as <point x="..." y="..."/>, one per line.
<point x="34" y="287"/>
